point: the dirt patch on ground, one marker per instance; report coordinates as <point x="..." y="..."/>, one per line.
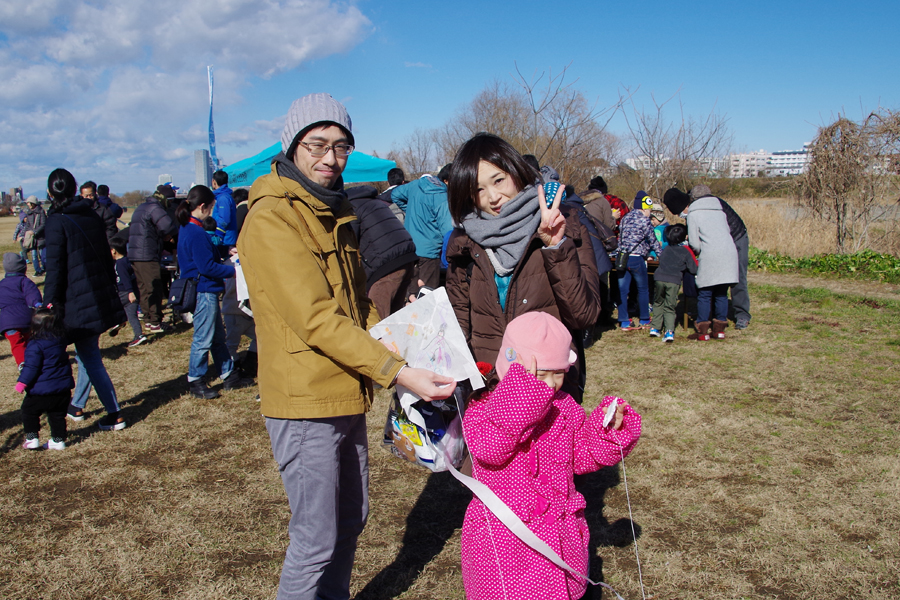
<point x="847" y="287"/>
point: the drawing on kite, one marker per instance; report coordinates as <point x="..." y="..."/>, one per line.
<point x="434" y="356"/>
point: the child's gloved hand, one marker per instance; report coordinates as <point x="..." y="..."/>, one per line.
<point x="20" y="387"/>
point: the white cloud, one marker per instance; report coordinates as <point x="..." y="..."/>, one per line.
<point x="416" y="65"/>
<point x="108" y="85"/>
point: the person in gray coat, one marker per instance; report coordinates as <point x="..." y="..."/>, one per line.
<point x="740" y="297"/>
<point x="710" y="238"/>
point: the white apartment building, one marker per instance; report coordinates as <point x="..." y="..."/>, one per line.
<point x="748" y="164"/>
<point x="787" y="162"/>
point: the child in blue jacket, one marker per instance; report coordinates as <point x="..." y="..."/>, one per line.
<point x="18" y="295"/>
<point x="47" y="376"/>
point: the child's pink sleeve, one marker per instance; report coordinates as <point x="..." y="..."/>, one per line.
<point x="496" y="428"/>
<point x="598" y="446"/>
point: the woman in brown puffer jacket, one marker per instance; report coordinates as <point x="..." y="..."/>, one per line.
<point x="511" y="254"/>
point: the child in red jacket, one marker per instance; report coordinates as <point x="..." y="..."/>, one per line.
<point x="528" y="440"/>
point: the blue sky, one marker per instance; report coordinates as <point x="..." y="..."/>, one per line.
<point x="117" y="93"/>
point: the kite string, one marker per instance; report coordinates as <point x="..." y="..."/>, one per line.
<point x="631" y="521"/>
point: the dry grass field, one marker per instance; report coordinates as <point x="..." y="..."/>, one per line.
<point x="773" y="225"/>
<point x="769" y="468"/>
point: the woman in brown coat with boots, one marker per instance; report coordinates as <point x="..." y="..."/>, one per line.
<point x="511" y="254"/>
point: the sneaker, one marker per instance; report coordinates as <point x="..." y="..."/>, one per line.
<point x="111" y="422"/>
<point x="234" y="381"/>
<point x="54" y="444"/>
<point x="654" y="332"/>
<point x="742" y="324"/>
<point x="669" y="337"/>
<point x="199" y="389"/>
<point x="645" y="324"/>
<point x="75" y="413"/>
<point x="137" y="341"/>
<point x="31" y="443"/>
<point x="629" y="327"/>
<point x="151" y="328"/>
<point x="115" y="330"/>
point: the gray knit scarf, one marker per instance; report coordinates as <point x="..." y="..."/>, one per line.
<point x="331" y="197"/>
<point x="505" y="237"/>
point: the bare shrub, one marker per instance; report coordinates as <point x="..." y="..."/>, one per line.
<point x="852" y="180"/>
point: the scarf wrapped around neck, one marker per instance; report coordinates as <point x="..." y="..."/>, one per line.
<point x="332" y="197"/>
<point x="505" y="237"/>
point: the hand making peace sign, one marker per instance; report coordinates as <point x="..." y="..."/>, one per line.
<point x="553" y="224"/>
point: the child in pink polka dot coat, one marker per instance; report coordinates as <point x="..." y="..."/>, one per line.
<point x="527" y="440"/>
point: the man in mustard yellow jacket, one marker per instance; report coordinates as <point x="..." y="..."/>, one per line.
<point x="316" y="360"/>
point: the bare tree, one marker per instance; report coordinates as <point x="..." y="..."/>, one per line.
<point x="851" y="181"/>
<point x="676" y="152"/>
<point x="134" y="197"/>
<point x="543" y="115"/>
<point x="419" y="154"/>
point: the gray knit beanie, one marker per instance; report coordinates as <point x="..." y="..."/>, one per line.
<point x="308" y="112"/>
<point x="699" y="191"/>
<point x="13" y="263"/>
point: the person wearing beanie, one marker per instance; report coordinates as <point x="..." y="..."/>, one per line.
<point x="599" y="184"/>
<point x="637" y="239"/>
<point x="18" y="296"/>
<point x="527" y="439"/>
<point x="740" y="297"/>
<point x="317" y="362"/>
<point x="677" y="202"/>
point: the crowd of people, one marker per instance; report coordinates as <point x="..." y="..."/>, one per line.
<point x="528" y="268"/>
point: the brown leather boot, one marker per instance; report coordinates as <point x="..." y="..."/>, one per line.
<point x="702" y="331"/>
<point x="718" y="329"/>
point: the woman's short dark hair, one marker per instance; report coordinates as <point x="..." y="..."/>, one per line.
<point x="676" y="234"/>
<point x="61" y="185"/>
<point x="463" y="188"/>
<point x="200" y="195"/>
<point x="46" y="324"/>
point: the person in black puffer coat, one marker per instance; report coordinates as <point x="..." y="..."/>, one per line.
<point x="151" y="226"/>
<point x="387" y="250"/>
<point x="81" y="286"/>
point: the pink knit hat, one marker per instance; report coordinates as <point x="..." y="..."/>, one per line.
<point x="539" y="335"/>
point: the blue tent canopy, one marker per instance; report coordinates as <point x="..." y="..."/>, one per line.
<point x="360" y="167"/>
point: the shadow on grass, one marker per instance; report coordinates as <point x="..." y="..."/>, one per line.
<point x="437" y="514"/>
<point x="133" y="411"/>
<point x="139" y="407"/>
<point x="593" y="487"/>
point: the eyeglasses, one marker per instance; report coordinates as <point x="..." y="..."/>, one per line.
<point x="318" y="150"/>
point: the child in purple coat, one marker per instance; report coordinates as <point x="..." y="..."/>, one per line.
<point x="527" y="440"/>
<point x="18" y="296"/>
